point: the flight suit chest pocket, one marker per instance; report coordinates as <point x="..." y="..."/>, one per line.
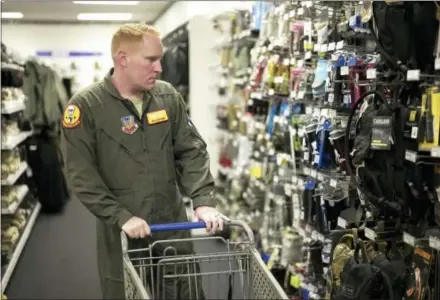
<point x="158" y="136"/>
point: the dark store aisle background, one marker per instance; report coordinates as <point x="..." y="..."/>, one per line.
<point x="59" y="260"/>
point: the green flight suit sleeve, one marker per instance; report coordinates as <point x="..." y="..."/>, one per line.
<point x="191" y="158"/>
<point x="78" y="149"/>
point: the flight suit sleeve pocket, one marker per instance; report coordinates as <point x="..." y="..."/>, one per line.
<point x="195" y="134"/>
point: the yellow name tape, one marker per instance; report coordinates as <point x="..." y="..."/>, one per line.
<point x="157" y="117"/>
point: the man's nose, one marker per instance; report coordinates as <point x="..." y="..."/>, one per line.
<point x="157" y="67"/>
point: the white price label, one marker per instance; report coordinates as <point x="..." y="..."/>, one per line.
<point x="342" y="222"/>
<point x="300" y="63"/>
<point x="313" y="173"/>
<point x="344" y="71"/>
<point x="300" y="11"/>
<point x="306" y="171"/>
<point x="331" y="47"/>
<point x="278" y="79"/>
<point x="413" y="75"/>
<point x="332" y="113"/>
<point x="409" y="239"/>
<point x="333" y="183"/>
<point x="286" y="17"/>
<point x="306" y="156"/>
<point x="316" y="47"/>
<point x="286" y="62"/>
<point x="323" y="48"/>
<point x="309" y="110"/>
<point x="272" y="152"/>
<point x="308" y="55"/>
<point x="331" y="97"/>
<point x="435" y="152"/>
<point x="340" y="45"/>
<point x="437" y="63"/>
<point x="434" y="243"/>
<point x="371" y="74"/>
<point x="271" y="92"/>
<point x="320" y="177"/>
<point x="414" y="132"/>
<point x="370" y="234"/>
<point x="292" y="14"/>
<point x="411" y="156"/>
<point x="301" y="95"/>
<point x="257" y="95"/>
<point x="293" y="95"/>
<point x="293" y="61"/>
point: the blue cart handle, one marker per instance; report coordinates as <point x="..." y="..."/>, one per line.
<point x="177" y="226"/>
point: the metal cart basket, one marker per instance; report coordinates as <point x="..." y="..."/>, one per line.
<point x="236" y="271"/>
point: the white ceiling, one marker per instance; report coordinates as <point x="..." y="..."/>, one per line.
<point x="67" y="11"/>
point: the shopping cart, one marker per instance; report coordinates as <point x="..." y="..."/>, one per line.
<point x="237" y="272"/>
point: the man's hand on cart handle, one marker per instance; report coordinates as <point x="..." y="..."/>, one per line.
<point x="212" y="218"/>
<point x="136" y="228"/>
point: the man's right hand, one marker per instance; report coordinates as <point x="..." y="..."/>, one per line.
<point x="136" y="228"/>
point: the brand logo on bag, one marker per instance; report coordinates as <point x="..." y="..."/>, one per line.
<point x="157" y="117"/>
<point x="129" y="125"/>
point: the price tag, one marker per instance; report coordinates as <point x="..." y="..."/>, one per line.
<point x="340" y="45"/>
<point x="414" y="132"/>
<point x="286" y="62"/>
<point x="331" y="98"/>
<point x="313" y="173"/>
<point x="300" y="63"/>
<point x="333" y="183"/>
<point x="323" y="48"/>
<point x="292" y="14"/>
<point x="316" y="47"/>
<point x="332" y="113"/>
<point x="331" y="47"/>
<point x="435" y="151"/>
<point x="257" y="95"/>
<point x="371" y="74"/>
<point x="306" y="156"/>
<point x="308" y="55"/>
<point x="344" y="71"/>
<point x="320" y="177"/>
<point x="286" y="17"/>
<point x="409" y="239"/>
<point x="370" y="234"/>
<point x="293" y="95"/>
<point x="309" y="110"/>
<point x="278" y="79"/>
<point x="272" y="152"/>
<point x="301" y="95"/>
<point x="342" y="223"/>
<point x="434" y="243"/>
<point x="411" y="156"/>
<point x="413" y="75"/>
<point x="437" y="63"/>
<point x="271" y="92"/>
<point x="300" y="11"/>
<point x="293" y="61"/>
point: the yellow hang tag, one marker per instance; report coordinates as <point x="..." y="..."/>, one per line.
<point x="295" y="281"/>
<point x="157" y="117"/>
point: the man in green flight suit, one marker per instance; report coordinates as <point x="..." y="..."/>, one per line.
<point x="128" y="148"/>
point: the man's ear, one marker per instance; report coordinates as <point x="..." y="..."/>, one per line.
<point x="122" y="57"/>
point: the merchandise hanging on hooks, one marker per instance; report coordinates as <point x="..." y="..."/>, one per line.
<point x="332" y="147"/>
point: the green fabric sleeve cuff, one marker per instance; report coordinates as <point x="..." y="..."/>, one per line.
<point x="123" y="217"/>
<point x="204" y="201"/>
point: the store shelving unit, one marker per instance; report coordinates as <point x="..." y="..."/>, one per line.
<point x="11" y="108"/>
<point x="20" y="246"/>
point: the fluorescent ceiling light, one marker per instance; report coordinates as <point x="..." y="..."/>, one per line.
<point x="104" y="16"/>
<point x="12" y="15"/>
<point x="108" y="2"/>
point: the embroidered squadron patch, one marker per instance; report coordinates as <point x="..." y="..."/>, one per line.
<point x="157" y="117"/>
<point x="129" y="125"/>
<point x="71" y="116"/>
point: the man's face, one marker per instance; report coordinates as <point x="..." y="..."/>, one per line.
<point x="142" y="64"/>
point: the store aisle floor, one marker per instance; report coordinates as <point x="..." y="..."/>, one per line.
<point x="59" y="260"/>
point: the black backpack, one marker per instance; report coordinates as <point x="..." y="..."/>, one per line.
<point x="406" y="33"/>
<point x="379" y="279"/>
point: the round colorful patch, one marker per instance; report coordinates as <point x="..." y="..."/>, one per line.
<point x="71" y="116"/>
